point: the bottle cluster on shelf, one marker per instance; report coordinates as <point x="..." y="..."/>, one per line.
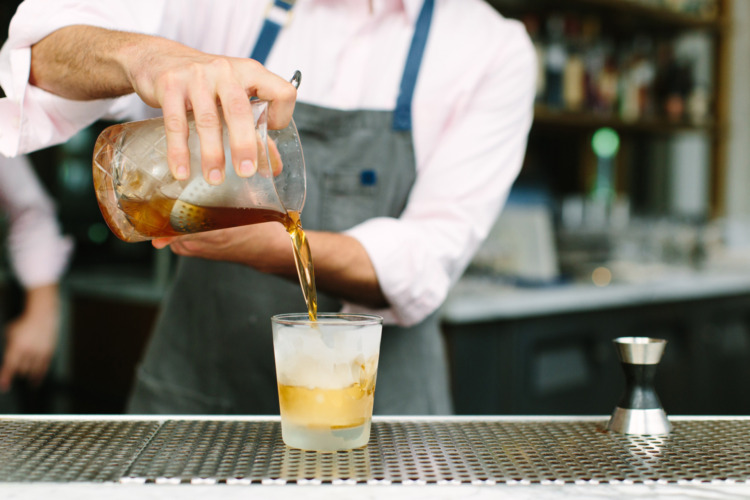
<point x="583" y="69"/>
<point x="706" y="9"/>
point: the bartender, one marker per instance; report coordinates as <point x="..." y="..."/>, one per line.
<point x="413" y="115"/>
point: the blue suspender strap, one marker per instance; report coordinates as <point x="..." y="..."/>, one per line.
<point x="402" y="113"/>
<point x="271" y="27"/>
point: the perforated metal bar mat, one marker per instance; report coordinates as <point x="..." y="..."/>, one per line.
<point x="56" y="450"/>
<point x="400" y="452"/>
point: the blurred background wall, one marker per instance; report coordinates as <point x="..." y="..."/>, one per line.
<point x="630" y="217"/>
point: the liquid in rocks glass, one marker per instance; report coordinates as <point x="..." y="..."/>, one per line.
<point x="326" y="372"/>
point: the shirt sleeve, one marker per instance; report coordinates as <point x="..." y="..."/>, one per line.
<point x="38" y="252"/>
<point x="462" y="183"/>
<point x="31" y="118"/>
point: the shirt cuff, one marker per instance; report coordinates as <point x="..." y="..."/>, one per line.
<point x="43" y="264"/>
<point x="42" y="119"/>
<point x="412" y="279"/>
<point x="32" y="118"/>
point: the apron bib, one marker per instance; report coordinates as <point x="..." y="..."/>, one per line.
<point x="212" y="351"/>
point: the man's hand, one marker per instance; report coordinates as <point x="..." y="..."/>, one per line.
<point x="179" y="79"/>
<point x="265" y="247"/>
<point x="343" y="268"/>
<point x="31" y="339"/>
<point x="86" y="62"/>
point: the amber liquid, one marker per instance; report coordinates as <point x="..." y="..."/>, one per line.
<point x="158" y="218"/>
<point x="325" y="419"/>
<point x="326" y="409"/>
<point x="304" y="263"/>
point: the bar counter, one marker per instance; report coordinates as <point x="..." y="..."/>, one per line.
<point x="407" y="457"/>
<point x="477" y="299"/>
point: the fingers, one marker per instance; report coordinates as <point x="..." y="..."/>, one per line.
<point x="190" y="248"/>
<point x="280" y="94"/>
<point x="209" y="127"/>
<point x="274" y="157"/>
<point x="183" y="79"/>
<point x="176" y="130"/>
<point x="160" y="243"/>
<point x="238" y="115"/>
<point x="264" y="165"/>
<point x="178" y="243"/>
<point x="203" y="245"/>
<point x="18" y="362"/>
<point x="38" y="370"/>
<point x="181" y="248"/>
<point x="6" y="372"/>
<point x="269" y="165"/>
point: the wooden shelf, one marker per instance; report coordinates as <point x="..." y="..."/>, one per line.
<point x="558" y="119"/>
<point x="629" y="12"/>
<point x="654" y="14"/>
<point x="621" y="22"/>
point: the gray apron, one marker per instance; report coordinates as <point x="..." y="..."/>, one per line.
<point x="211" y="351"/>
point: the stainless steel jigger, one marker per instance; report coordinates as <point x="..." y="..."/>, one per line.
<point x="639" y="410"/>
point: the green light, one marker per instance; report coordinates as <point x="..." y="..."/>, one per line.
<point x="98" y="233"/>
<point x="605" y="142"/>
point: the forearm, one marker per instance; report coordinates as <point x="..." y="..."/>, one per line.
<point x="84" y="62"/>
<point x="342" y="267"/>
<point x="344" y="270"/>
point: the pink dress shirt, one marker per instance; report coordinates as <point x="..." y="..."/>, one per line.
<point x="38" y="252"/>
<point x="472" y="107"/>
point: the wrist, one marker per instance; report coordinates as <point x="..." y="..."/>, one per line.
<point x="131" y="56"/>
<point x="279" y="253"/>
<point x="42" y="299"/>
